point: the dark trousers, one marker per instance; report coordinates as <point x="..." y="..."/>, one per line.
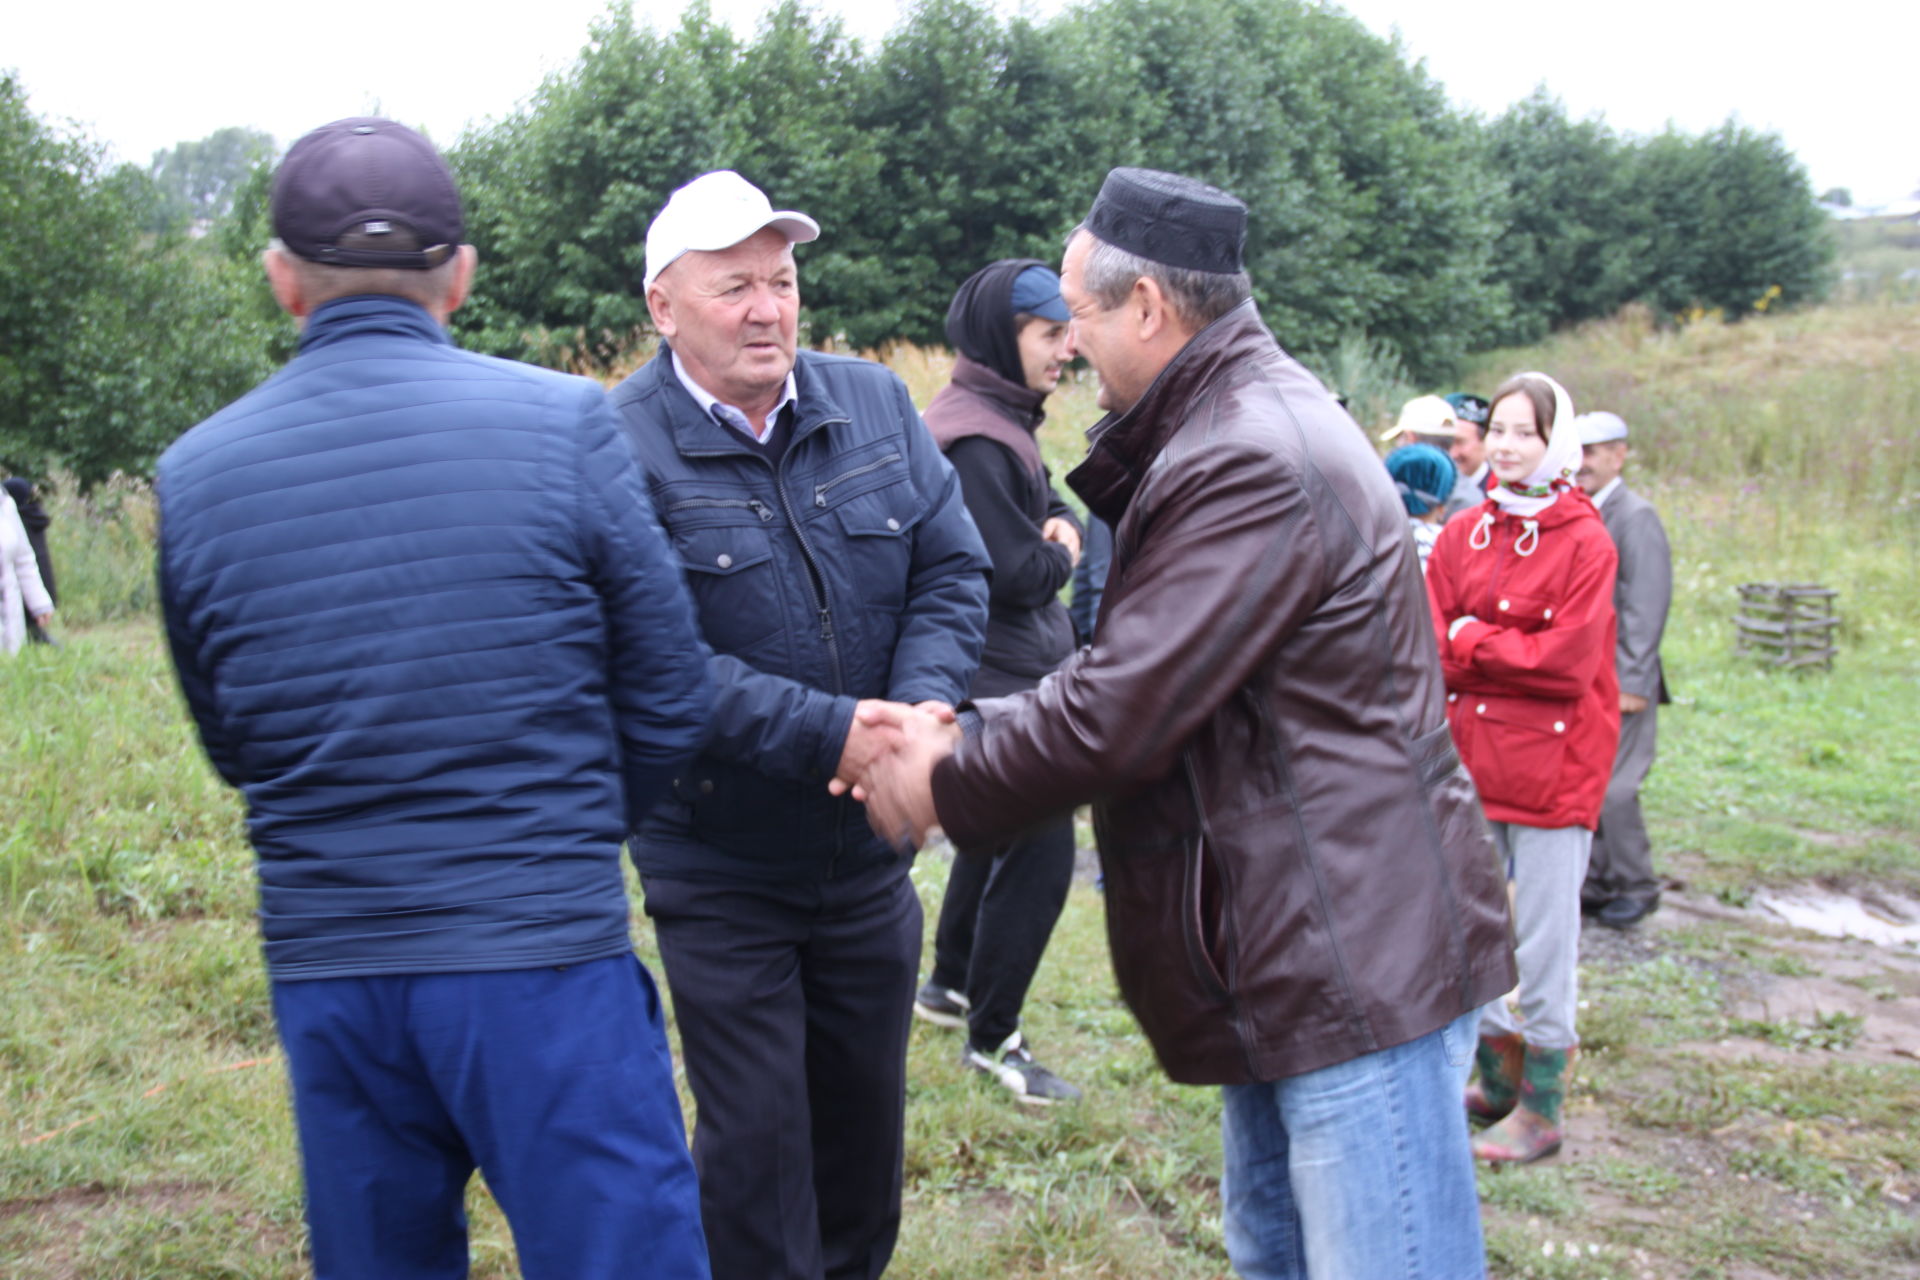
<point x="793" y="1003"/>
<point x="1622" y="861"/>
<point x="1000" y="908"/>
<point x="555" y="1082"/>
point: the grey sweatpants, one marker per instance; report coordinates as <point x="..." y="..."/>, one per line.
<point x="1546" y="869"/>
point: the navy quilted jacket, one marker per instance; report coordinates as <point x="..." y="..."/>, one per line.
<point x="855" y="572"/>
<point x="426" y="622"/>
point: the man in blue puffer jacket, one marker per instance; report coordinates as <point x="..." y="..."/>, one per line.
<point x="832" y="563"/>
<point x="426" y="622"/>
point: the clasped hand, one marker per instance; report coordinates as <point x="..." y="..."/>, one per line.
<point x="887" y="765"/>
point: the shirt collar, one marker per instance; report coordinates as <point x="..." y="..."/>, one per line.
<point x="731" y="415"/>
<point x="1606" y="491"/>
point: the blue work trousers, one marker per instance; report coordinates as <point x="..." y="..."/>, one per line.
<point x="555" y="1082"/>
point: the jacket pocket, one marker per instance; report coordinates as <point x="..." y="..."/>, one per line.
<point x="1202" y="919"/>
<point x="1524" y="612"/>
<point x="738" y="809"/>
<point x="730" y="571"/>
<point x="878" y="531"/>
<point x="1515" y="748"/>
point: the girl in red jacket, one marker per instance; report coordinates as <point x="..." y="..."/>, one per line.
<point x="1521" y="588"/>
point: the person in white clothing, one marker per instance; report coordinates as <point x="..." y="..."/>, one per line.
<point x="20" y="583"/>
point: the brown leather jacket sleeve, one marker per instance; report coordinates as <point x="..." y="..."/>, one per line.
<point x="1228" y="565"/>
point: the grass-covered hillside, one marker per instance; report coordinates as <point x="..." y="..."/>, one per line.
<point x="1747" y="1105"/>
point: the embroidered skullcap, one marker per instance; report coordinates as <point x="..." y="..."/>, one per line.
<point x="1170" y="219"/>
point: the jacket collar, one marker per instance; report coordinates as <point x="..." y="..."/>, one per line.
<point x="1016" y="401"/>
<point x="1122" y="446"/>
<point x="369" y="313"/>
<point x="697" y="434"/>
<point x="979" y="402"/>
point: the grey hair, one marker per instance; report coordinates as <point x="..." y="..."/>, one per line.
<point x="1197" y="297"/>
<point x="324" y="283"/>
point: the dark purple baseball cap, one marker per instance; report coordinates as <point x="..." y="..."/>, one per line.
<point x="361" y="181"/>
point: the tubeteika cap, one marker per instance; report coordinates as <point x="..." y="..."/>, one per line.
<point x="1172" y="220"/>
<point x="1600" y="426"/>
<point x="1469" y="407"/>
<point x="717" y="211"/>
<point x="366" y="178"/>
<point x="1423" y="416"/>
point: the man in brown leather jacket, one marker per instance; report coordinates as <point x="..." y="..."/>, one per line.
<point x="1303" y="901"/>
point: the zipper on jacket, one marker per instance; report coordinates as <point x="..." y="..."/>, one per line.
<point x="819" y="582"/>
<point x="754" y="505"/>
<point x="820" y="490"/>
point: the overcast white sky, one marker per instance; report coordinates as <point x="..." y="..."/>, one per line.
<point x="1836" y="81"/>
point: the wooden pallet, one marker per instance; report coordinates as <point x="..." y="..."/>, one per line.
<point x="1787" y="624"/>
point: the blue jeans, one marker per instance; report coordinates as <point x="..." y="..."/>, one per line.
<point x="1358" y="1171"/>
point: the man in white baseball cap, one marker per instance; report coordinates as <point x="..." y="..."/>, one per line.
<point x="1621" y="887"/>
<point x="833" y="567"/>
<point x="1423" y="420"/>
<point x="717" y="211"/>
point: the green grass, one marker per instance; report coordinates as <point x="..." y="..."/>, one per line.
<point x="1738" y="1148"/>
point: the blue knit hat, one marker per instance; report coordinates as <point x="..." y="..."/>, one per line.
<point x="1424" y="476"/>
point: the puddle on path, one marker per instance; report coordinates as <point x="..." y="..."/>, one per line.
<point x="1887" y="919"/>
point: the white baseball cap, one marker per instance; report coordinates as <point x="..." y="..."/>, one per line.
<point x="1422" y="416"/>
<point x="717" y="211"/>
<point x="1599" y="427"/>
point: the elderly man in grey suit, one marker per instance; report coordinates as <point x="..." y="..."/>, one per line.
<point x="1621" y="888"/>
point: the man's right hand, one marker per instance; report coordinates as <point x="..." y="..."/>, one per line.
<point x="878" y="729"/>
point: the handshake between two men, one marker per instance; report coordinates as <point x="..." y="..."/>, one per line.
<point x="887" y="764"/>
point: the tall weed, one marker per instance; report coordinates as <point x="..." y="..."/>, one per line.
<point x="101" y="544"/>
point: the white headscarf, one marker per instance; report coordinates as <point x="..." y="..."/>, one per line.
<point x="1557" y="467"/>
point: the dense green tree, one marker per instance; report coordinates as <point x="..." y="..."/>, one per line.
<point x="1731" y="223"/>
<point x="1385" y="223"/>
<point x="1364" y="219"/>
<point x="1575" y="242"/>
<point x="196" y="181"/>
<point x="112" y="340"/>
<point x="968" y="137"/>
<point x="996" y="136"/>
<point x="559" y="196"/>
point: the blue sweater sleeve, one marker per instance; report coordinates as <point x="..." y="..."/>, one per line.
<point x="656" y="662"/>
<point x="946" y="616"/>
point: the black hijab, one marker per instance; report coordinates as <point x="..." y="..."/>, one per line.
<point x="980" y="321"/>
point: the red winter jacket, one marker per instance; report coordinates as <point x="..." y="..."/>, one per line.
<point x="1531" y="693"/>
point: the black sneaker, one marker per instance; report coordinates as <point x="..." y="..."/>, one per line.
<point x="942" y="1006"/>
<point x="1013" y="1066"/>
